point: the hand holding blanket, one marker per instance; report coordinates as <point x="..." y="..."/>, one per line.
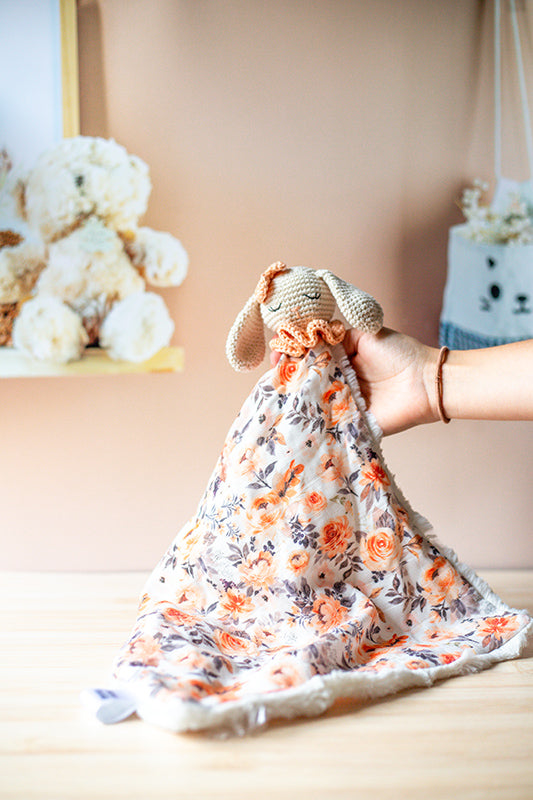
<point x="304" y="576"/>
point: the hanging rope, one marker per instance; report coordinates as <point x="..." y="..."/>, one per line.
<point x="523" y="90"/>
<point x="498" y="89"/>
<point x="497" y="93"/>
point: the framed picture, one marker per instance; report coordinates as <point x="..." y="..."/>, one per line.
<point x="39" y="106"/>
<point x="38" y="77"/>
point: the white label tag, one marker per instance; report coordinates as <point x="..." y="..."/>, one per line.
<point x="109" y="705"/>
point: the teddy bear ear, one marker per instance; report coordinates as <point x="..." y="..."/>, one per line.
<point x="359" y="308"/>
<point x="245" y="345"/>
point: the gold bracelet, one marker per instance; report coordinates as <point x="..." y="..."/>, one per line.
<point x="438" y="384"/>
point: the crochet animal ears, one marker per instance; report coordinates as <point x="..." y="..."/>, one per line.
<point x="294" y="299"/>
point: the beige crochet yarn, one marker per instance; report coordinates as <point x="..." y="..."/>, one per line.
<point x="297" y="303"/>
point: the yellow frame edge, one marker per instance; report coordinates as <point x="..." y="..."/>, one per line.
<point x="70" y="83"/>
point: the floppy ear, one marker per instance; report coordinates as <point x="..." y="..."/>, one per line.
<point x="359" y="308"/>
<point x="245" y="345"/>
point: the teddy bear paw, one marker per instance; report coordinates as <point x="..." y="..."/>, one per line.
<point x="49" y="330"/>
<point x="136" y="328"/>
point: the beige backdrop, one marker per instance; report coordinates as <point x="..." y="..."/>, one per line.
<point x="333" y="134"/>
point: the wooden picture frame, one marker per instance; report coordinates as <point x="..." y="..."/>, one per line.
<point x="69" y="67"/>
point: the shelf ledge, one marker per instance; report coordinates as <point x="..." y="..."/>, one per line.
<point x="93" y="362"/>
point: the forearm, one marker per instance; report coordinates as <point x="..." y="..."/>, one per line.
<point x="494" y="383"/>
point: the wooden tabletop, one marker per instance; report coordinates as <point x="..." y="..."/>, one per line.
<point x="467" y="737"/>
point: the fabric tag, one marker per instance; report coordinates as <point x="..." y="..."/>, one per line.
<point x="109" y="705"/>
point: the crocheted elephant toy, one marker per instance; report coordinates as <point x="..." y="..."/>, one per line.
<point x="305" y="575"/>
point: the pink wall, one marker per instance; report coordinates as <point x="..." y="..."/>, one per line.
<point x="333" y="134"/>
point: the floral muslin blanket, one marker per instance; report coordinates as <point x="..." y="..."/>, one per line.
<point x="304" y="576"/>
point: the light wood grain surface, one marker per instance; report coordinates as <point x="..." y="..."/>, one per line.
<point x="467" y="737"/>
<point x="93" y="362"/>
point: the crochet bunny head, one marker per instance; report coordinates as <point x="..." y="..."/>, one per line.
<point x="298" y="304"/>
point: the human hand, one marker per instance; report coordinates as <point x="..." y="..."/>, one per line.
<point x="397" y="374"/>
<point x="396" y="377"/>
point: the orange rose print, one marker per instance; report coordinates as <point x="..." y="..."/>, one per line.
<point x="330" y="467"/>
<point x="335" y="536"/>
<point x="441" y="635"/>
<point x="314" y="502"/>
<point x="147" y="650"/>
<point x="338" y="397"/>
<point x="190" y="597"/>
<point x="285" y="674"/>
<point x="266" y="639"/>
<point x="417" y="663"/>
<point x="325" y="577"/>
<point x="289" y="375"/>
<point x="335" y="387"/>
<point x="374" y="474"/>
<point x="234" y="645"/>
<point x="287" y="370"/>
<point x="265" y="510"/>
<point x="329" y="612"/>
<point x="449" y="658"/>
<point x="236" y="603"/>
<point x="442" y="581"/>
<point x="298" y="561"/>
<point x="341" y="411"/>
<point x="286" y="572"/>
<point x="179" y="617"/>
<point x="380" y="550"/>
<point x="259" y="570"/>
<point x="499" y="627"/>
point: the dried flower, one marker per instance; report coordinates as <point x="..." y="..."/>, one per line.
<point x="483" y="224"/>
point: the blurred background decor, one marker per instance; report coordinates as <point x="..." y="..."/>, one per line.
<point x="335" y="134"/>
<point x="488" y="299"/>
<point x="81" y="280"/>
<point x="74" y="260"/>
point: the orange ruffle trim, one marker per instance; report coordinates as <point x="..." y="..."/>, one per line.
<point x="295" y="340"/>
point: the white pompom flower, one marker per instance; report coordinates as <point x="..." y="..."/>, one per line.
<point x="136" y="328"/>
<point x="49" y="330"/>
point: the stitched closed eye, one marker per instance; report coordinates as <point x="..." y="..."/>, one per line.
<point x="313" y="296"/>
<point x="274" y="308"/>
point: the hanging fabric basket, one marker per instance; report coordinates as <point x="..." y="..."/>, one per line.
<point x="488" y="299"/>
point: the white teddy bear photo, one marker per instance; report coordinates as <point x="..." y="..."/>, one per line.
<point x="85" y="282"/>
